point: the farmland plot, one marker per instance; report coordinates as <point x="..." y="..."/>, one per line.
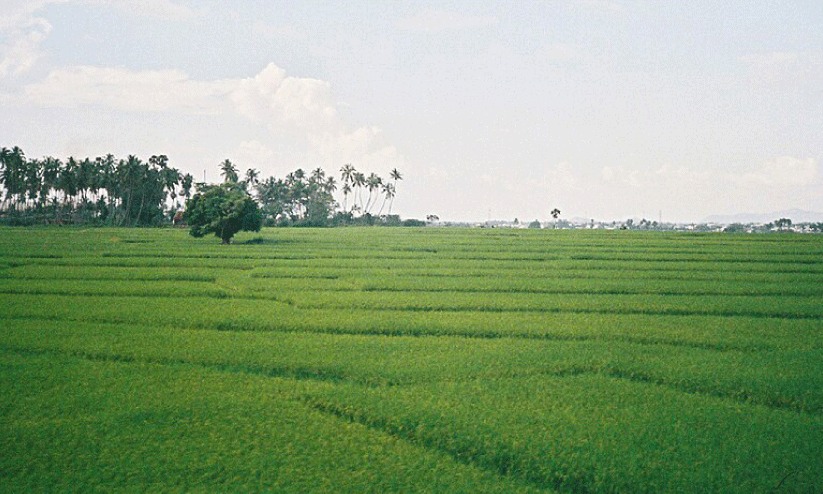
<point x="445" y="360"/>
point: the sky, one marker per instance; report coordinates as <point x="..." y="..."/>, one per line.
<point x="604" y="109"/>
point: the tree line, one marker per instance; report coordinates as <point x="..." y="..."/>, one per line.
<point x="308" y="199"/>
<point x="101" y="191"/>
<point x="108" y="191"/>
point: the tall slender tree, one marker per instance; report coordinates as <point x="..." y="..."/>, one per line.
<point x="388" y="194"/>
<point x="228" y="171"/>
<point x="396" y="177"/>
<point x="372" y="183"/>
<point x="358" y="181"/>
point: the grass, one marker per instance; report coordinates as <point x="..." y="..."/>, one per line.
<point x="410" y="360"/>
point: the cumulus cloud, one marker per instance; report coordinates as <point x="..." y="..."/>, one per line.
<point x="273" y="97"/>
<point x="434" y="20"/>
<point x="304" y="108"/>
<point x="784" y="171"/>
<point x="253" y="154"/>
<point x="164" y="9"/>
<point x="307" y="107"/>
<point x="23" y="27"/>
<point x="621" y="175"/>
<point x="22" y="50"/>
<point x="21" y="33"/>
<point x="561" y="176"/>
<point x="128" y="90"/>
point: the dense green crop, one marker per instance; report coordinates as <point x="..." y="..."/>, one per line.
<point x="402" y="360"/>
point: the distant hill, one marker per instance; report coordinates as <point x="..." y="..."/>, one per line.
<point x="796" y="215"/>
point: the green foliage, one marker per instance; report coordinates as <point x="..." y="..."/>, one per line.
<point x="222" y="210"/>
<point x="99" y="191"/>
<point x="414" y="223"/>
<point x="131" y="192"/>
<point x="137" y="426"/>
<point x="406" y="360"/>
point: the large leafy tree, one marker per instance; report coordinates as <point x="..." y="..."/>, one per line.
<point x="223" y="210"/>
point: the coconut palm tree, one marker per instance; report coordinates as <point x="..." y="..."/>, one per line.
<point x="228" y="171"/>
<point x="330" y="185"/>
<point x="252" y="176"/>
<point x="358" y="180"/>
<point x="388" y="194"/>
<point x="13" y="174"/>
<point x="372" y="183"/>
<point x="51" y="171"/>
<point x="346" y="175"/>
<point x="33" y="181"/>
<point x="318" y="175"/>
<point x="396" y="176"/>
<point x="346" y="191"/>
<point x="186" y="183"/>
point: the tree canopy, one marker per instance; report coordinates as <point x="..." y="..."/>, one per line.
<point x="224" y="210"/>
<point x="103" y="190"/>
<point x="132" y="192"/>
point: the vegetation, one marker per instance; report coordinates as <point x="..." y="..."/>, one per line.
<point x="103" y="190"/>
<point x="107" y="191"/>
<point x="402" y="360"/>
<point x="222" y="210"/>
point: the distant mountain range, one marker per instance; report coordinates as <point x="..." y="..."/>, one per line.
<point x="796" y="215"/>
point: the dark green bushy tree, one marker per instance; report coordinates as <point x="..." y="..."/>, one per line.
<point x="224" y="210"/>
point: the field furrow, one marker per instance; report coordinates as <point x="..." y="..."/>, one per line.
<point x="410" y="360"/>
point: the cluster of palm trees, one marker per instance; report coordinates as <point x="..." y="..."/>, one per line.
<point x="131" y="192"/>
<point x="103" y="190"/>
<point x="354" y="182"/>
<point x="308" y="198"/>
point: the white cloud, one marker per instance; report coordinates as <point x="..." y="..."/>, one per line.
<point x="301" y="109"/>
<point x="260" y="29"/>
<point x="366" y="146"/>
<point x="22" y="49"/>
<point x="253" y="154"/>
<point x="164" y="9"/>
<point x="273" y="97"/>
<point x="784" y="171"/>
<point x="23" y="28"/>
<point x="21" y="33"/>
<point x="307" y="107"/>
<point x="434" y="20"/>
<point x="561" y="176"/>
<point x="622" y="175"/>
<point x="128" y="90"/>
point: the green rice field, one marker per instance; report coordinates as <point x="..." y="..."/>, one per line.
<point x="410" y="360"/>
